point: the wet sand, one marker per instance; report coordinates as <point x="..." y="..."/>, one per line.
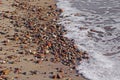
<point x="32" y="46"/>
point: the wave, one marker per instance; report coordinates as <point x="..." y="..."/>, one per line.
<point x="97" y="33"/>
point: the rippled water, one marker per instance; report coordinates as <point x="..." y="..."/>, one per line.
<point x="95" y="27"/>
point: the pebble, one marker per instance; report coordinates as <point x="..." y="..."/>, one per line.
<point x="34" y="72"/>
<point x="17" y="70"/>
<point x="5" y="72"/>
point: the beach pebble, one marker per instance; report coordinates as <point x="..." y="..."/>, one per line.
<point x="5" y="72"/>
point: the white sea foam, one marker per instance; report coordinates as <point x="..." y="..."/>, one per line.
<point x="100" y="36"/>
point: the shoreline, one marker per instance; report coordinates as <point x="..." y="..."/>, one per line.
<point x="32" y="43"/>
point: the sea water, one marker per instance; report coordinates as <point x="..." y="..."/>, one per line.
<point x="95" y="27"/>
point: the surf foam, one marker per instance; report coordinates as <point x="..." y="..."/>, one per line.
<point x="95" y="34"/>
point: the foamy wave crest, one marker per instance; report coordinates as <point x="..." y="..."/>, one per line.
<point x="100" y="38"/>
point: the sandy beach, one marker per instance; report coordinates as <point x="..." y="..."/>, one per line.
<point x="32" y="45"/>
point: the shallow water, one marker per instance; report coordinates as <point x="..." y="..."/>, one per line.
<point x="95" y="27"/>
